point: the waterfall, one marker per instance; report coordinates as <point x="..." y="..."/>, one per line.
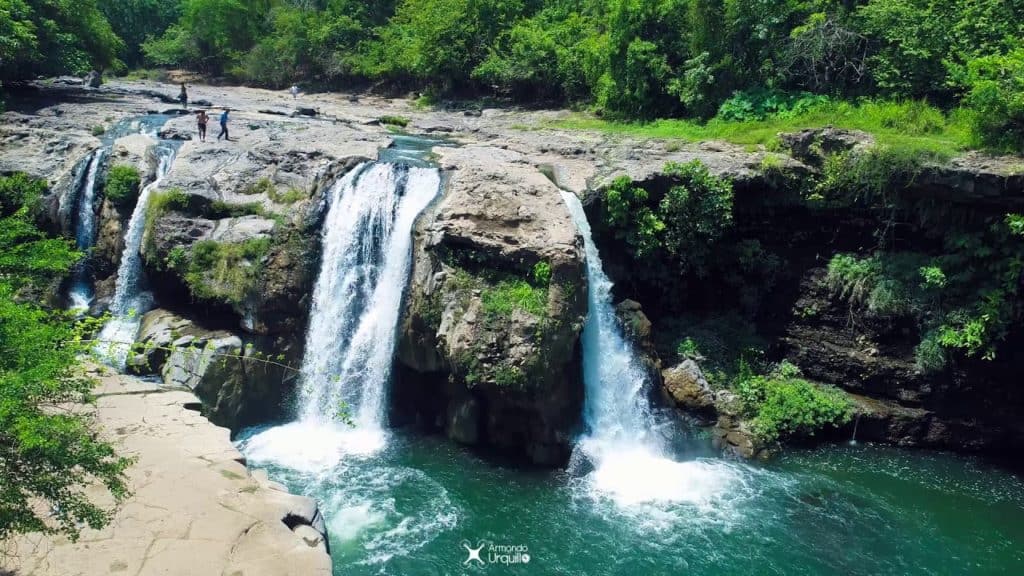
<point x="130" y="302"/>
<point x="364" y="268"/>
<point x="367" y="252"/>
<point x="623" y="453"/>
<point x="80" y="295"/>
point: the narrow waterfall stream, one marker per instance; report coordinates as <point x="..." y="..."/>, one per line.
<point x="627" y="444"/>
<point x="80" y="294"/>
<point x="130" y="301"/>
<point x="636" y="500"/>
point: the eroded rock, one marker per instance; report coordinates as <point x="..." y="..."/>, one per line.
<point x="474" y="361"/>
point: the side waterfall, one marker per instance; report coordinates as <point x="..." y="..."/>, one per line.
<point x="624" y="454"/>
<point x="80" y="296"/>
<point x="365" y="264"/>
<point x="130" y="302"/>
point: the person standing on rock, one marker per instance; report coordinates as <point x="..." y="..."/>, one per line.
<point x="295" y="91"/>
<point x="201" y="120"/>
<point x="224" y="126"/>
<point x="183" y="96"/>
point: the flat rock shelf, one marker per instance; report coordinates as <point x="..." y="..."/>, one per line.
<point x="194" y="508"/>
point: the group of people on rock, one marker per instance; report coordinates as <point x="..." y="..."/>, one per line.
<point x="202" y="118"/>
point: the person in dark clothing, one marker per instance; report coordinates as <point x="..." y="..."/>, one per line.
<point x="224" y="126"/>
<point x="201" y="120"/>
<point x="183" y="96"/>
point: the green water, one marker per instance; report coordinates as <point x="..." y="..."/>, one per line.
<point x="408" y="508"/>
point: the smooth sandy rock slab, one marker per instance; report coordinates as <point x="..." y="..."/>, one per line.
<point x="194" y="511"/>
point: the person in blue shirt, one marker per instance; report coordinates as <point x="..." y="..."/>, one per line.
<point x="224" y="126"/>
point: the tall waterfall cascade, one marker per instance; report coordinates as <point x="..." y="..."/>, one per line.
<point x="624" y="454"/>
<point x="130" y="302"/>
<point x="365" y="264"/>
<point x="80" y="295"/>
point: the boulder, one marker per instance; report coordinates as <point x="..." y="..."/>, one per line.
<point x="506" y="379"/>
<point x="236" y="382"/>
<point x="269" y="184"/>
<point x="93" y="79"/>
<point x="689" y="390"/>
<point x="814" y="145"/>
<point x="176" y="133"/>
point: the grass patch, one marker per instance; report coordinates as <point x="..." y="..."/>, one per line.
<point x="231" y="475"/>
<point x="123" y="184"/>
<point x="261" y="186"/>
<point x="98" y="130"/>
<point x="911" y="125"/>
<point x="399" y="121"/>
<point x="289" y="196"/>
<point x="507" y="296"/>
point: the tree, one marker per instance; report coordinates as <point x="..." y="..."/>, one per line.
<point x="49" y="449"/>
<point x="210" y="36"/>
<point x="135" y="21"/>
<point x="54" y="37"/>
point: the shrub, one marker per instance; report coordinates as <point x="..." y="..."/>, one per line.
<point x="782" y="405"/>
<point x="692" y="217"/>
<point x="19" y="191"/>
<point x="762" y="104"/>
<point x="399" y="121"/>
<point x="996" y="93"/>
<point x="631" y="219"/>
<point x="697" y="212"/>
<point x="123" y="183"/>
<point x="542" y="273"/>
<point x="289" y="196"/>
<point x="226" y="271"/>
<point x="261" y="186"/>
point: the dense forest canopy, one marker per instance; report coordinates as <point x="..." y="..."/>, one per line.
<point x="635" y="59"/>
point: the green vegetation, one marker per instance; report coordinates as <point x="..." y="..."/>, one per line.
<point x="159" y="204"/>
<point x="261" y="186"/>
<point x="221" y="271"/>
<point x="123" y="182"/>
<point x="912" y="125"/>
<point x="46" y="37"/>
<point x="965" y="298"/>
<point x="289" y="196"/>
<point x="507" y="296"/>
<point x="98" y="130"/>
<point x="399" y="121"/>
<point x="49" y="456"/>
<point x="781" y="405"/>
<point x="757" y="68"/>
<point x="682" y="228"/>
<point x="266" y="186"/>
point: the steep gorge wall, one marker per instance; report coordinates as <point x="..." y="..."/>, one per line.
<point x="770" y="275"/>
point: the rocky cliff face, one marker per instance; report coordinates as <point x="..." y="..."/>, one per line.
<point x="489" y="343"/>
<point x="969" y="404"/>
<point x="488" y="349"/>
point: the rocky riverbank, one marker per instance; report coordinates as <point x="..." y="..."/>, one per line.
<point x="232" y="248"/>
<point x="194" y="509"/>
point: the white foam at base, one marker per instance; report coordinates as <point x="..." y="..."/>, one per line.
<point x="631" y="474"/>
<point x="311" y="446"/>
